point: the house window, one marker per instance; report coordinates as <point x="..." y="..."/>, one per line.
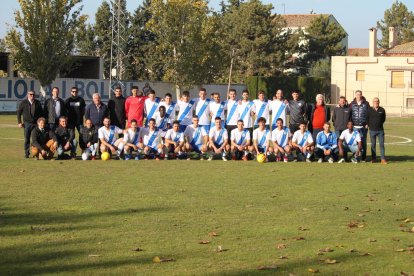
<point x="360" y="75"/>
<point x="412" y="79"/>
<point x="410" y="102"/>
<point x="397" y="79"/>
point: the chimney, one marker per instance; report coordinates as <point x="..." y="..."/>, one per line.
<point x="372" y="42"/>
<point x="392" y="37"/>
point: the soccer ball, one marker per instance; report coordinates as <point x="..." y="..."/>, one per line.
<point x="261" y="158"/>
<point x="105" y="156"/>
<point x="85" y="156"/>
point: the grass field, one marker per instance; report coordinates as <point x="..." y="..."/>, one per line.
<point x="76" y="217"/>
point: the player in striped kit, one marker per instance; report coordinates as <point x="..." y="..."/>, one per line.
<point x="218" y="140"/>
<point x="281" y="138"/>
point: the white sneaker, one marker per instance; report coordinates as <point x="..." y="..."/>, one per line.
<point x="307" y="160"/>
<point x="341" y="160"/>
<point x="330" y="160"/>
<point x="210" y="158"/>
<point x="320" y="160"/>
<point x="224" y="158"/>
<point x="354" y="160"/>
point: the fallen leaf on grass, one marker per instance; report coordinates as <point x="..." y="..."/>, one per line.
<point x="283" y="257"/>
<point x="407" y="220"/>
<point x="353" y="224"/>
<point x="340" y="245"/>
<point x="329" y="261"/>
<point x="204" y="242"/>
<point x="353" y="250"/>
<point x="406" y="274"/>
<point x="22" y="171"/>
<point x="301" y="228"/>
<point x="313" y="270"/>
<point x="395" y="239"/>
<point x="137" y="249"/>
<point x="400" y="250"/>
<point x="372" y="240"/>
<point x="267" y="267"/>
<point x="157" y="259"/>
<point x="220" y="249"/>
<point x="94" y="255"/>
<point x="327" y="249"/>
<point x="365" y="254"/>
<point x="299" y="238"/>
<point x="213" y="234"/>
<point x="38" y="228"/>
<point x="281" y="246"/>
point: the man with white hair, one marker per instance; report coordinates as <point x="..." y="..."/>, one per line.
<point x="96" y="111"/>
<point x="319" y="115"/>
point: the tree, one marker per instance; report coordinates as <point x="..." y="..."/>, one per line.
<point x="399" y="17"/>
<point x="183" y="32"/>
<point x="47" y="42"/>
<point x="2" y="45"/>
<point x="322" y="39"/>
<point x="86" y="42"/>
<point x="102" y="29"/>
<point x="258" y="39"/>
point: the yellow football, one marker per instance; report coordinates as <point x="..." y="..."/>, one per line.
<point x="105" y="156"/>
<point x="261" y="158"/>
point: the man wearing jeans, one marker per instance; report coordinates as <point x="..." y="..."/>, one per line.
<point x="359" y="115"/>
<point x="376" y="119"/>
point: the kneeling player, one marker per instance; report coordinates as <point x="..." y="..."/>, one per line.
<point x="302" y="142"/>
<point x="151" y="143"/>
<point x="281" y="138"/>
<point x="218" y="140"/>
<point x="174" y="141"/>
<point x="326" y="144"/>
<point x="349" y="141"/>
<point x="196" y="138"/>
<point x="108" y="137"/>
<point x="240" y="142"/>
<point x="131" y="140"/>
<point x="261" y="139"/>
<point x="88" y="140"/>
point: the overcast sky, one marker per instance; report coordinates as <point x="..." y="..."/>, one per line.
<point x="356" y="16"/>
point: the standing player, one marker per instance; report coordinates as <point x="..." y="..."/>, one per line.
<point x="261" y="139"/>
<point x="302" y="142"/>
<point x="185" y="108"/>
<point x="131" y="141"/>
<point x="262" y="109"/>
<point x="174" y="141"/>
<point x="202" y="110"/>
<point x="232" y="114"/>
<point x="240" y="142"/>
<point x="151" y="106"/>
<point x="134" y="106"/>
<point x="326" y="144"/>
<point x="196" y="138"/>
<point x="349" y="141"/>
<point x="278" y="108"/>
<point x="150" y="141"/>
<point x="281" y="138"/>
<point x="108" y="136"/>
<point x="297" y="111"/>
<point x="218" y="140"/>
<point x="217" y="109"/>
<point x="246" y="110"/>
<point x="161" y="121"/>
<point x="170" y="108"/>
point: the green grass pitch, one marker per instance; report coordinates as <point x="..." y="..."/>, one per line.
<point x="90" y="217"/>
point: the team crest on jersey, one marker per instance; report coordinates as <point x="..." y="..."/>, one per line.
<point x="299" y="104"/>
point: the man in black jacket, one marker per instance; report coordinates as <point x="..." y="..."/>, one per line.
<point x="117" y="109"/>
<point x="376" y="120"/>
<point x="96" y="111"/>
<point x="54" y="109"/>
<point x="359" y="115"/>
<point x="341" y="116"/>
<point x="31" y="109"/>
<point x="88" y="140"/>
<point x="43" y="141"/>
<point x="75" y="107"/>
<point x="297" y="111"/>
<point x="65" y="139"/>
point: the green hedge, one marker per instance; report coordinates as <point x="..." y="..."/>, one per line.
<point x="308" y="86"/>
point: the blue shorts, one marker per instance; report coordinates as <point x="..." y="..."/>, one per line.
<point x="261" y="150"/>
<point x="217" y="145"/>
<point x="195" y="147"/>
<point x="183" y="127"/>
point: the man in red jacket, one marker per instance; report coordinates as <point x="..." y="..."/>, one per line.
<point x="134" y="106"/>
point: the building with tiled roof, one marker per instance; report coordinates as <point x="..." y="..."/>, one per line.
<point x="384" y="73"/>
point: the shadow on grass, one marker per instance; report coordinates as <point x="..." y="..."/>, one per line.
<point x="401" y="158"/>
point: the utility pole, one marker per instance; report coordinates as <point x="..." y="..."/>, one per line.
<point x="118" y="46"/>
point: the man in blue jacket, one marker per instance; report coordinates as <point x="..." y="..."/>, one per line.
<point x="359" y="116"/>
<point x="326" y="144"/>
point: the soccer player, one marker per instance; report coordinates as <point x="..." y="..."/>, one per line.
<point x="218" y="140"/>
<point x="297" y="111"/>
<point x="75" y="107"/>
<point x="359" y="116"/>
<point x="88" y="140"/>
<point x="134" y="106"/>
<point x="196" y="138"/>
<point x="162" y="121"/>
<point x="174" y="141"/>
<point x="281" y="138"/>
<point x="217" y="109"/>
<point x="185" y="108"/>
<point x="376" y="120"/>
<point x="261" y="139"/>
<point x="246" y="110"/>
<point x="232" y="114"/>
<point x="278" y="108"/>
<point x="96" y="111"/>
<point x="302" y="141"/>
<point x="107" y="134"/>
<point x="65" y="138"/>
<point x="151" y="106"/>
<point x="131" y="140"/>
<point x="116" y="106"/>
<point x="262" y="109"/>
<point x="54" y="108"/>
<point x="150" y="141"/>
<point x="170" y="108"/>
<point x="326" y="144"/>
<point x="43" y="141"/>
<point x="349" y="141"/>
<point x="240" y="142"/>
<point x="202" y="110"/>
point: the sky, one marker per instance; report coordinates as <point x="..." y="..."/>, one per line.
<point x="356" y="16"/>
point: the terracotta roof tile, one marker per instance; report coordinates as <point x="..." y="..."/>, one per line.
<point x="299" y="20"/>
<point x="406" y="48"/>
